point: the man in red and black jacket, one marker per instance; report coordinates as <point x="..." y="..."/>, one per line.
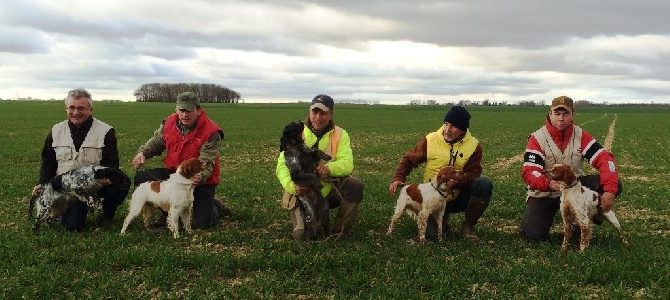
<point x="559" y="141"/>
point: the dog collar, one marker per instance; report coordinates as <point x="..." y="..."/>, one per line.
<point x="439" y="191"/>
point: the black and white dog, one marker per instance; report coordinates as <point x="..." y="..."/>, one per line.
<point x="79" y="184"/>
<point x="301" y="162"/>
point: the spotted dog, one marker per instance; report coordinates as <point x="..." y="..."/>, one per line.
<point x="423" y="200"/>
<point x="301" y="162"/>
<point x="80" y="184"/>
<point x="579" y="205"/>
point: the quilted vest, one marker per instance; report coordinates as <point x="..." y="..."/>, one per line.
<point x="439" y="153"/>
<point x="182" y="147"/>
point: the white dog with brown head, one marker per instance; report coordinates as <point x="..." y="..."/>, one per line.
<point x="423" y="200"/>
<point x="174" y="195"/>
<point x="579" y="205"/>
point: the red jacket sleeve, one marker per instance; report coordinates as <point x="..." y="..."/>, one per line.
<point x="603" y="160"/>
<point x="532" y="170"/>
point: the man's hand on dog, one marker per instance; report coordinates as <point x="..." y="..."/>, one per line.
<point x="394" y="185"/>
<point x="37" y="190"/>
<point x="196" y="179"/>
<point x="606" y="201"/>
<point x="322" y="170"/>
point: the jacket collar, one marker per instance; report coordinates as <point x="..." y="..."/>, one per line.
<point x="557" y="134"/>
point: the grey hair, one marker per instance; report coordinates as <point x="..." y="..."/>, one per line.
<point x="79" y="93"/>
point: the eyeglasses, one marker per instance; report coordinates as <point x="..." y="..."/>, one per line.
<point x="77" y="108"/>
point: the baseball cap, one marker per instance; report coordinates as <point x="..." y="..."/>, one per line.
<point x="188" y="101"/>
<point x="322" y="102"/>
<point x="564" y="102"/>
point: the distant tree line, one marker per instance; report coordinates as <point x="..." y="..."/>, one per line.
<point x="167" y="92"/>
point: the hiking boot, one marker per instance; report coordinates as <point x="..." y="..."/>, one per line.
<point x="473" y="212"/>
<point x="160" y="223"/>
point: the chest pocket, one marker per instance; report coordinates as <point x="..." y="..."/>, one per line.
<point x="65" y="153"/>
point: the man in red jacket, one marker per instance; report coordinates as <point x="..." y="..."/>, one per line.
<point x="560" y="141"/>
<point x="187" y="133"/>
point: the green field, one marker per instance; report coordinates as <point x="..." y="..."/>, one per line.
<point x="252" y="255"/>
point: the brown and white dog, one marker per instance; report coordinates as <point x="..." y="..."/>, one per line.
<point x="174" y="195"/>
<point x="423" y="200"/>
<point x="579" y="205"/>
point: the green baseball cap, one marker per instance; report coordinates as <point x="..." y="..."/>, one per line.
<point x="188" y="101"/>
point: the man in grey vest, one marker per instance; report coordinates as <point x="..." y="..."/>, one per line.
<point x="79" y="141"/>
<point x="559" y="141"/>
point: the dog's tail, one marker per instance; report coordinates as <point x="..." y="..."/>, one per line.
<point x="31" y="207"/>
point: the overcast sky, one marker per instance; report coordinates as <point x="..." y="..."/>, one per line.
<point x="387" y="51"/>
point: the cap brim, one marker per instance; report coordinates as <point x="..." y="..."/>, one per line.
<point x="189" y="107"/>
<point x="562" y="106"/>
<point x="319" y="106"/>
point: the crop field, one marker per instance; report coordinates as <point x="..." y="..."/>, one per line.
<point x="252" y="255"/>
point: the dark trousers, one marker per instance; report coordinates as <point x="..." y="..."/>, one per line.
<point x="481" y="187"/>
<point x="205" y="212"/>
<point x="75" y="215"/>
<point x="540" y="212"/>
<point x="351" y="189"/>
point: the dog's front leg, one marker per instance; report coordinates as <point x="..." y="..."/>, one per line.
<point x="567" y="227"/>
<point x="173" y="222"/>
<point x="36" y="226"/>
<point x="585" y="229"/>
<point x="186" y="214"/>
<point x="440" y="215"/>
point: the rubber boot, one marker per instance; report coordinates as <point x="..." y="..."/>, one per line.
<point x="346" y="215"/>
<point x="473" y="212"/>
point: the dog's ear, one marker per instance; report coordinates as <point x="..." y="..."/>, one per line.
<point x="115" y="176"/>
<point x="57" y="183"/>
<point x="444" y="174"/>
<point x="119" y="179"/>
<point x="569" y="175"/>
<point x="282" y="144"/>
<point x="190" y="167"/>
<point x="101" y="173"/>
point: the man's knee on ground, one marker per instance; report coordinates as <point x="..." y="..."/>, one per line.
<point x="482" y="187"/>
<point x="354" y="190"/>
<point x="75" y="216"/>
<point x="533" y="235"/>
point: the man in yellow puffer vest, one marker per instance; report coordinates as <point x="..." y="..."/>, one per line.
<point x="346" y="191"/>
<point x="453" y="145"/>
